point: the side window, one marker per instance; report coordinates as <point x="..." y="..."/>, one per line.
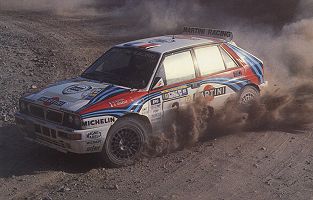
<point x="177" y="68"/>
<point x="209" y="60"/>
<point x="229" y="62"/>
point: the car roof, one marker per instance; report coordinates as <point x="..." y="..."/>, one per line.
<point x="168" y="43"/>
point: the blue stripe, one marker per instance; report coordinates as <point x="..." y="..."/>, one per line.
<point x="240" y="82"/>
<point x="122" y="110"/>
<point x="109" y="94"/>
<point x="102" y="93"/>
<point x="100" y="113"/>
<point x="228" y="80"/>
<point x="104" y="114"/>
<point x="144" y="100"/>
<point x="252" y="58"/>
<point x="257" y="67"/>
<point x="221" y="81"/>
<point x="249" y="60"/>
<point x="233" y="87"/>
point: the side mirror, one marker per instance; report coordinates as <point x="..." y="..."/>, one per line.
<point x="157" y="82"/>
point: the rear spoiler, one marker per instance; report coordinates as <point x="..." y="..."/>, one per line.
<point x="215" y="33"/>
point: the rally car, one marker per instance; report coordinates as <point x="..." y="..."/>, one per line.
<point x="127" y="93"/>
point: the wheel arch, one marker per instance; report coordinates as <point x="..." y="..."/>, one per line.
<point x="142" y="118"/>
<point x="252" y="85"/>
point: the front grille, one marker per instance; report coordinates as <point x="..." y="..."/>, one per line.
<point x="46" y="114"/>
<point x="37" y="128"/>
<point x="54" y="116"/>
<point x="53" y="133"/>
<point x="37" y="111"/>
<point x="45" y="131"/>
<point x="58" y="143"/>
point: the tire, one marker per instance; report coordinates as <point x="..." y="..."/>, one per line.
<point x="248" y="96"/>
<point x="125" y="141"/>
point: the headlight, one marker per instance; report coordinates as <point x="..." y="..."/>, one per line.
<point x="77" y="121"/>
<point x="72" y="121"/>
<point x="23" y="106"/>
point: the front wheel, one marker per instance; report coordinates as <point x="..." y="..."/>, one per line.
<point x="125" y="141"/>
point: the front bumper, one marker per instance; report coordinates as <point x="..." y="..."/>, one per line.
<point x="53" y="136"/>
<point x="263" y="85"/>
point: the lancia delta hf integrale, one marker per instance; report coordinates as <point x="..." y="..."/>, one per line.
<point x="128" y="92"/>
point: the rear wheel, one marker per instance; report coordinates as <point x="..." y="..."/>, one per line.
<point x="248" y="95"/>
<point x="125" y="141"/>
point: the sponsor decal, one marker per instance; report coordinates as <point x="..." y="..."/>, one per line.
<point x="118" y="102"/>
<point x="155" y="106"/>
<point x="209" y="32"/>
<point x="93" y="142"/>
<point x="156" y="115"/>
<point x="98" y="121"/>
<point x="91" y="94"/>
<point x="73" y="89"/>
<point x="48" y="101"/>
<point x="93" y="148"/>
<point x="155" y="101"/>
<point x="210" y="92"/>
<point x="94" y="135"/>
<point x="174" y="89"/>
<point x="188" y="98"/>
<point x="175" y="94"/>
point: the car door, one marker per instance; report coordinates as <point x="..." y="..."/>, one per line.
<point x="177" y="71"/>
<point x="218" y="72"/>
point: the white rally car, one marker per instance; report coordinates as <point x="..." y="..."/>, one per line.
<point x="124" y="95"/>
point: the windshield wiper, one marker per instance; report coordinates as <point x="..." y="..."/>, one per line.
<point x="110" y="76"/>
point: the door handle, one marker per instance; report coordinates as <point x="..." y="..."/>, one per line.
<point x="237" y="73"/>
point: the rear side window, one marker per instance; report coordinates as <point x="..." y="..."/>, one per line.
<point x="229" y="62"/>
<point x="177" y="68"/>
<point x="209" y="60"/>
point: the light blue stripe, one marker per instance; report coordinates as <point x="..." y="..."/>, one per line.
<point x="143" y="100"/>
<point x="103" y="114"/>
<point x="253" y="64"/>
<point x="252" y="58"/>
<point x="222" y="82"/>
<point x="113" y="92"/>
<point x="104" y="111"/>
<point x="235" y="81"/>
<point x="105" y="92"/>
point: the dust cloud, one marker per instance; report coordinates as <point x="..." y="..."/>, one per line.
<point x="279" y="110"/>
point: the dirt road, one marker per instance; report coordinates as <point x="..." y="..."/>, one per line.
<point x="37" y="49"/>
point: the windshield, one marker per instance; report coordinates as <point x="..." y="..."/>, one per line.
<point x="127" y="67"/>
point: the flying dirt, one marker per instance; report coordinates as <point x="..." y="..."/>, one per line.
<point x="264" y="152"/>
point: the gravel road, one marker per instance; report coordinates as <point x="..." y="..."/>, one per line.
<point x="37" y="49"/>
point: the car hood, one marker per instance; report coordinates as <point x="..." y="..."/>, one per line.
<point x="71" y="94"/>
